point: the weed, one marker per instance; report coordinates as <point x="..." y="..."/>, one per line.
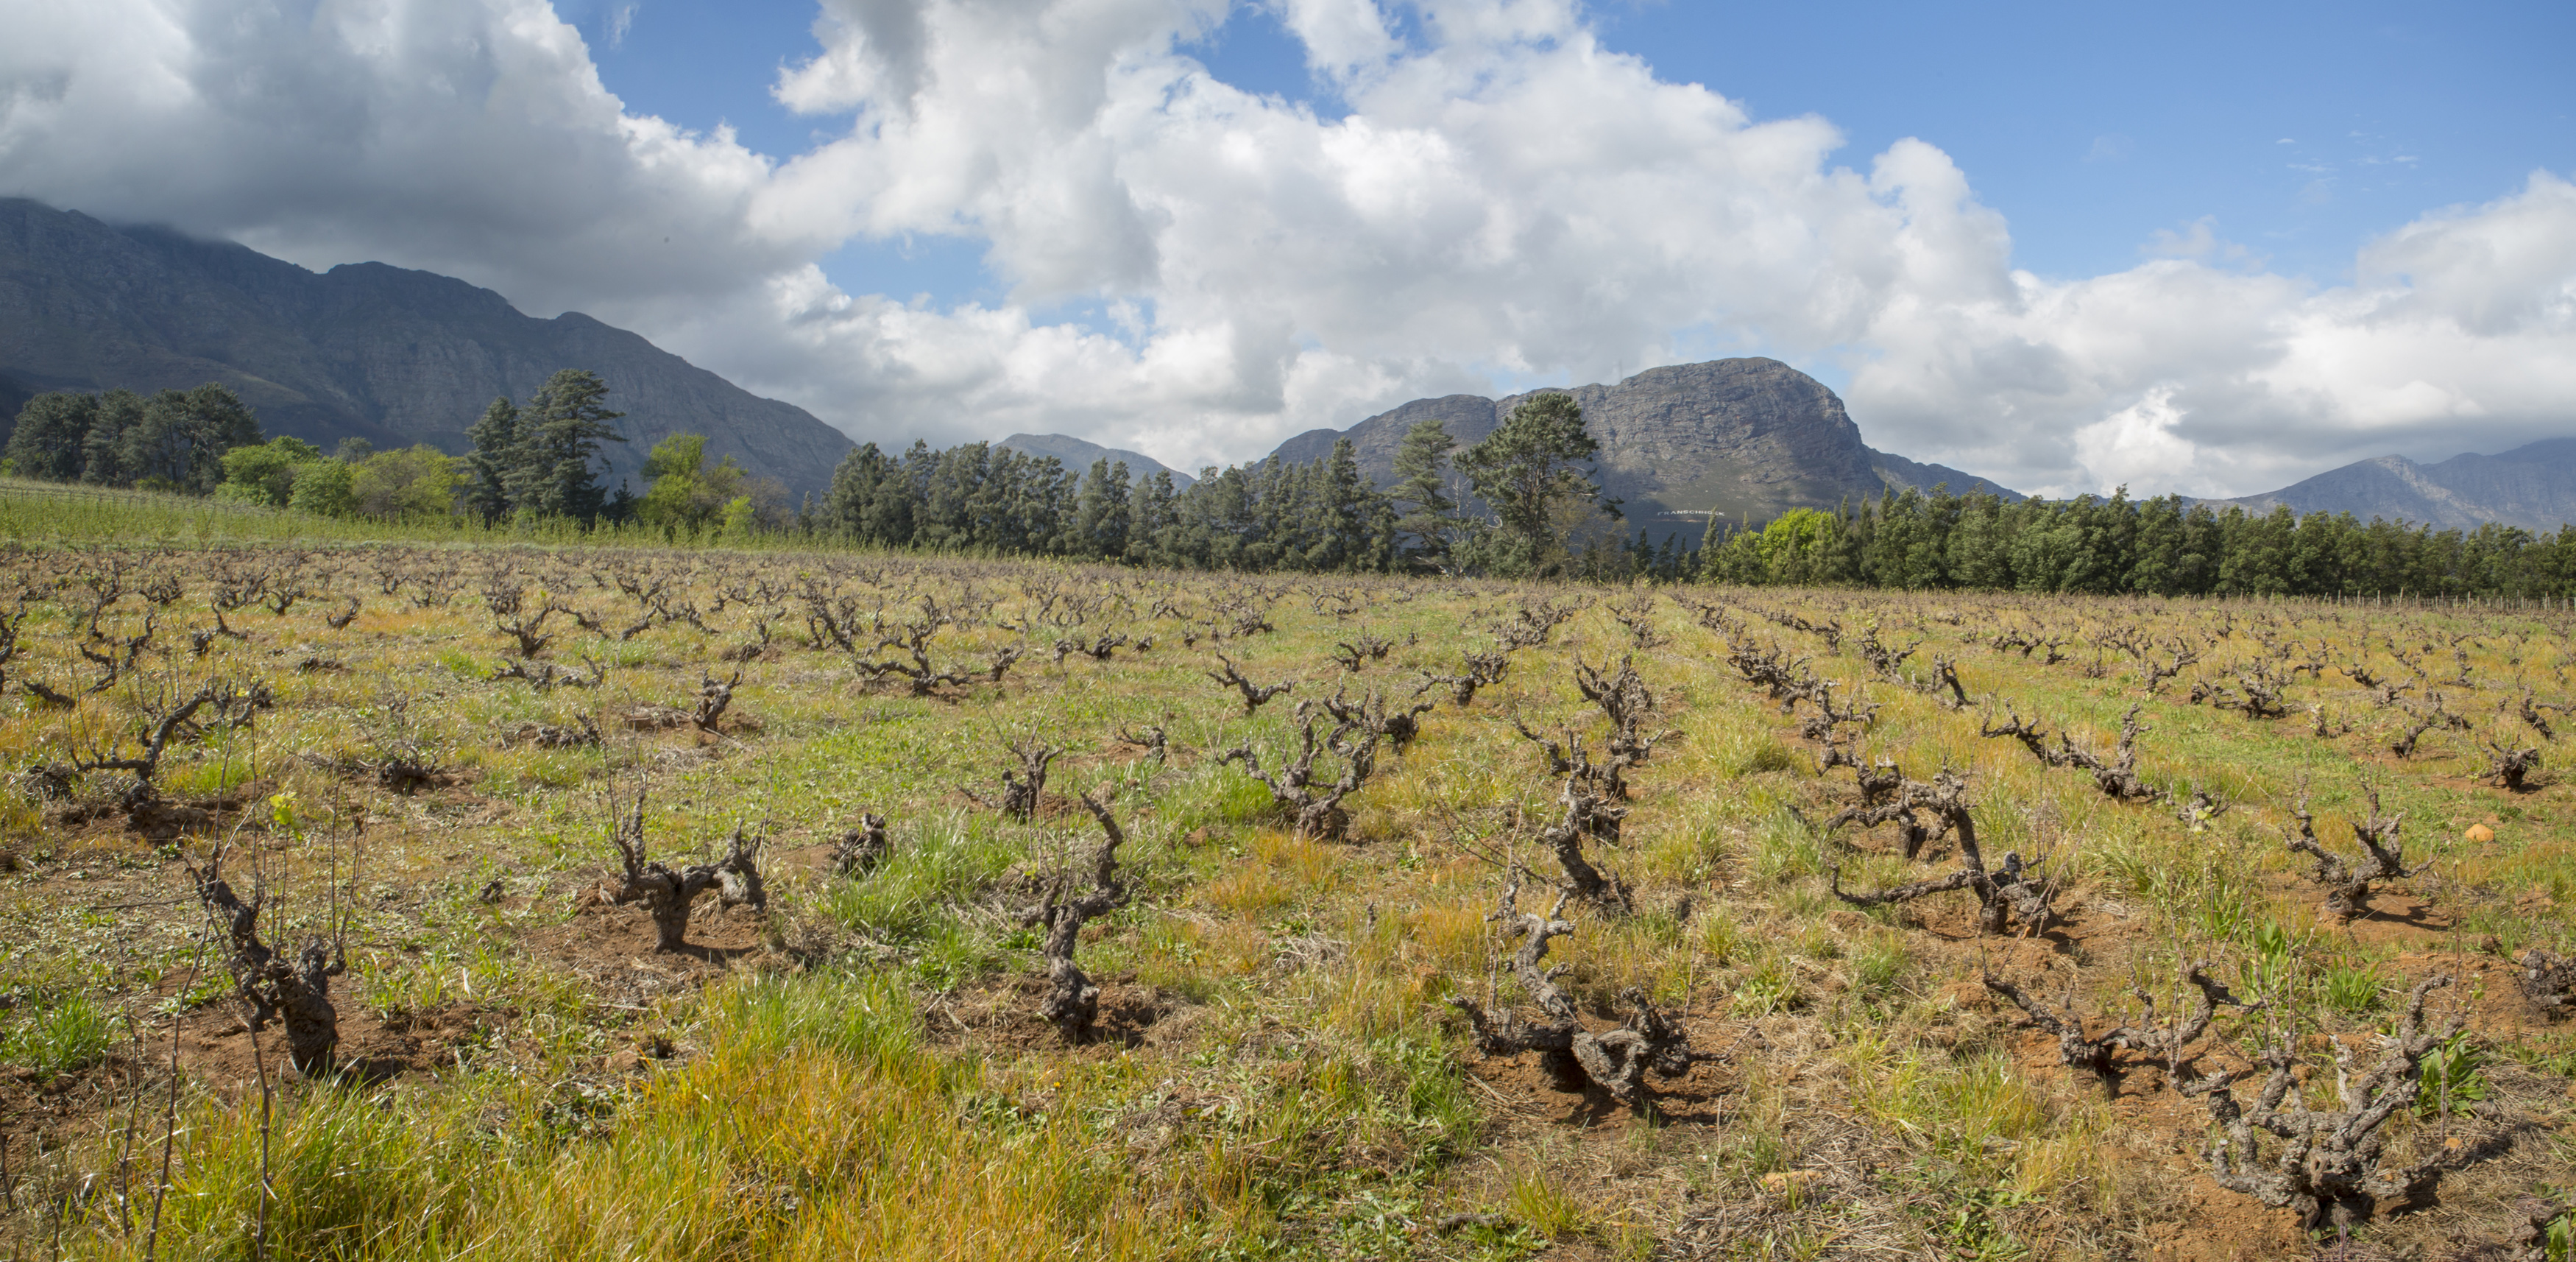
<point x="1546" y="1208"/>
<point x="67" y="1035"/>
<point x="1771" y="986"/>
<point x="2353" y="988"/>
<point x="2452" y="1080"/>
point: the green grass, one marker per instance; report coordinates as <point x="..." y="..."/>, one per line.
<point x="1284" y="1076"/>
<point x="63" y="1036"/>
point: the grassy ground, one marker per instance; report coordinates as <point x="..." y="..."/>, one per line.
<point x="860" y="1068"/>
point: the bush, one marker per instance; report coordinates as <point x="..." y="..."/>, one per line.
<point x="322" y="488"/>
<point x="266" y="473"/>
<point x="415" y="482"/>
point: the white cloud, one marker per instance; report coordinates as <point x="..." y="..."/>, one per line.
<point x="2457" y="336"/>
<point x="468" y="138"/>
<point x="1504" y="198"/>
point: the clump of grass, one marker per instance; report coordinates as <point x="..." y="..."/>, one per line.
<point x="1879" y="967"/>
<point x="816" y="1126"/>
<point x="916" y="891"/>
<point x="67" y="1035"/>
<point x="1546" y="1208"/>
<point x="2353" y="987"/>
<point x="1785" y="849"/>
<point x="1759" y="756"/>
<point x="1719" y="939"/>
<point x="1770" y="986"/>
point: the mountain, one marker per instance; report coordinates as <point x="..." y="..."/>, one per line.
<point x="1077" y="455"/>
<point x="2532" y="486"/>
<point x="364" y="350"/>
<point x="1732" y="441"/>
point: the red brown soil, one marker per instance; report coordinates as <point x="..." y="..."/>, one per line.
<point x="38" y="1116"/>
<point x="1002" y="1014"/>
<point x="613" y="948"/>
<point x="1525" y="1086"/>
<point x="215" y="1046"/>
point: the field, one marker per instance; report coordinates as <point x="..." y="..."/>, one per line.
<point x="1557" y="922"/>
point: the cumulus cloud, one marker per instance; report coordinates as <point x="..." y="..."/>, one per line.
<point x="2455" y="336"/>
<point x="1504" y="202"/>
<point x="471" y="138"/>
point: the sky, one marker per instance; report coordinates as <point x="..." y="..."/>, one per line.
<point x="2194" y="248"/>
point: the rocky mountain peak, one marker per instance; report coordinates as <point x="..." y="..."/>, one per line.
<point x="1728" y="441"/>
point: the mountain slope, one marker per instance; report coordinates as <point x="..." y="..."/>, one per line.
<point x="383" y="353"/>
<point x="2532" y="486"/>
<point x="1078" y="455"/>
<point x="1733" y="440"/>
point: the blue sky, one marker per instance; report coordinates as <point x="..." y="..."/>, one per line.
<point x="2190" y="247"/>
<point x="2297" y="131"/>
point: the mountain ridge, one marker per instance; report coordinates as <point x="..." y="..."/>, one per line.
<point x="2532" y="486"/>
<point x="1737" y="441"/>
<point x="365" y="350"/>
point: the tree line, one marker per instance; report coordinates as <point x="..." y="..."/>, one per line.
<point x="1325" y="516"/>
<point x="1523" y="503"/>
<point x="2165" y="546"/>
<point x="538" y="459"/>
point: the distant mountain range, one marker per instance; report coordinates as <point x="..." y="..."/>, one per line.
<point x="393" y="356"/>
<point x="1731" y="441"/>
<point x="400" y="357"/>
<point x="1078" y="456"/>
<point x="2532" y="486"/>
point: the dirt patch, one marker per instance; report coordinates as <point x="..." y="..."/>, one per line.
<point x="2394" y="916"/>
<point x="1052" y="806"/>
<point x="161" y="821"/>
<point x="1002" y="1014"/>
<point x="814" y="858"/>
<point x="2217" y="1225"/>
<point x="43" y="1115"/>
<point x="612" y="948"/>
<point x="215" y="1045"/>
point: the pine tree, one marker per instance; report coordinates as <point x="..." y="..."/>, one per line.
<point x="103" y="447"/>
<point x="1103" y="515"/>
<point x="1152" y="521"/>
<point x="179" y="439"/>
<point x="1526" y="471"/>
<point x="488" y="465"/>
<point x="1425" y="513"/>
<point x="559" y="434"/>
<point x="51" y="433"/>
<point x="1339" y="512"/>
<point x="854" y="488"/>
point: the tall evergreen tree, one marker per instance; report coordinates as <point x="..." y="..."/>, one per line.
<point x="854" y="488"/>
<point x="103" y="447"/>
<point x="1424" y="512"/>
<point x="1335" y="529"/>
<point x="559" y="435"/>
<point x="1152" y="522"/>
<point x="179" y="439"/>
<point x="489" y="464"/>
<point x="51" y="435"/>
<point x="1527" y="471"/>
<point x="1103" y="516"/>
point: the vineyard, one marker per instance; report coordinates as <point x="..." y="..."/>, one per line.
<point x="399" y="900"/>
